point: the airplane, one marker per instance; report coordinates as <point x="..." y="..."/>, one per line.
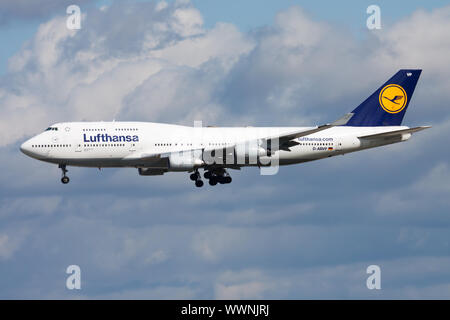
<point x="158" y="148"/>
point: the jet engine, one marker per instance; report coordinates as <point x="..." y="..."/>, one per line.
<point x="249" y="152"/>
<point x="185" y="160"/>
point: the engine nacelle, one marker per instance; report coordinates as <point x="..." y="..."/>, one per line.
<point x="185" y="161"/>
<point x="249" y="152"/>
<point x="151" y="171"/>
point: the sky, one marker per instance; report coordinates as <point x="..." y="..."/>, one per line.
<point x="308" y="232"/>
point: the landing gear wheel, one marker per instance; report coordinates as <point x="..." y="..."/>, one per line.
<point x="64" y="179"/>
<point x="195" y="176"/>
<point x="207" y="175"/>
<point x="212" y="181"/>
<point x="199" y="183"/>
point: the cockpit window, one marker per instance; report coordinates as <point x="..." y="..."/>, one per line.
<point x="51" y="128"/>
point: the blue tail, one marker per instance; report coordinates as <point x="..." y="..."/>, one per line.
<point x="387" y="105"/>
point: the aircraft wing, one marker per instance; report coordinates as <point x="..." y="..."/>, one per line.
<point x="154" y="160"/>
<point x="393" y="133"/>
<point x="285" y="141"/>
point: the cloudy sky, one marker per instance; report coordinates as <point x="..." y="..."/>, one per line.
<point x="308" y="232"/>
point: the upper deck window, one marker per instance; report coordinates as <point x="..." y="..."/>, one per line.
<point x="51" y="128"/>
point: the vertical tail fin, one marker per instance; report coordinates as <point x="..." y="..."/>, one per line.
<point x="387" y="105"/>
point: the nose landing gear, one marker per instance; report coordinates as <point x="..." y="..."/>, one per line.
<point x="65" y="179"/>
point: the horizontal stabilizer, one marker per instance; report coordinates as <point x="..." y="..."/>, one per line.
<point x="394" y="133"/>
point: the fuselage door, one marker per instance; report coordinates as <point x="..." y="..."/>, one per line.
<point x="338" y="144"/>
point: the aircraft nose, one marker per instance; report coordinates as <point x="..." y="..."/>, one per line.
<point x="25" y="147"/>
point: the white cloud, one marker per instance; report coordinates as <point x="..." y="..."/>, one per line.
<point x="24" y="207"/>
<point x="187" y="22"/>
<point x="11" y="242"/>
<point x="435" y="182"/>
<point x="161" y="5"/>
<point x="245" y="284"/>
<point x="431" y="187"/>
<point x="400" y="278"/>
<point x="5" y="247"/>
<point x="109" y="71"/>
<point x="214" y="244"/>
<point x="307" y="232"/>
<point x="247" y="290"/>
<point x="12" y="10"/>
<point x="64" y="74"/>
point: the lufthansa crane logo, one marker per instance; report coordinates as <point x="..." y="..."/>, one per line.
<point x="393" y="98"/>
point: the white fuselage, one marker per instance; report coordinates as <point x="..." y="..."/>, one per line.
<point x="130" y="144"/>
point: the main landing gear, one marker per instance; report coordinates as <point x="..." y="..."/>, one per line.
<point x="65" y="179"/>
<point x="215" y="176"/>
<point x="219" y="175"/>
<point x="197" y="178"/>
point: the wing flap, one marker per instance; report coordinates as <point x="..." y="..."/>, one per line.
<point x="285" y="141"/>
